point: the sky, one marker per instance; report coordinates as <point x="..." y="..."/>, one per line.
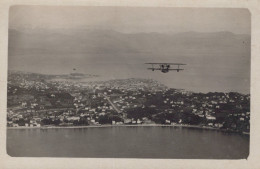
<point x="131" y="19"/>
<point x="115" y="42"/>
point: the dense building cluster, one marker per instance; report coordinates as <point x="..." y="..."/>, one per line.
<point x="40" y="100"/>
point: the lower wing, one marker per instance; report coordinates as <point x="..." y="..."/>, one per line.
<point x="154" y="68"/>
<point x="176" y="69"/>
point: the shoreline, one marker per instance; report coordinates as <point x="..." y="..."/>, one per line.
<point x="110" y="125"/>
<point x="127" y="125"/>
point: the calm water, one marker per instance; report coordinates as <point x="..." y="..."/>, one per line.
<point x="127" y="142"/>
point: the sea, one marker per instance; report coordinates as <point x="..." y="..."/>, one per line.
<point x="164" y="142"/>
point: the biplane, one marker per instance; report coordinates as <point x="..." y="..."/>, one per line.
<point x="165" y="67"/>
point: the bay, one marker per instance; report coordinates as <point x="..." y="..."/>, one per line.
<point x="127" y="142"/>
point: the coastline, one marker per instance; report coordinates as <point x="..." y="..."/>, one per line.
<point x="127" y="125"/>
<point x="110" y="125"/>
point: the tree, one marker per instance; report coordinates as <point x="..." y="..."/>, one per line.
<point x="104" y="119"/>
<point x="21" y="122"/>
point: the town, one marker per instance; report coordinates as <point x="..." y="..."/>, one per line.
<point x="38" y="100"/>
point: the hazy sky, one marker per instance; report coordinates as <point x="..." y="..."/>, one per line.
<point x="132" y="19"/>
<point x="115" y="42"/>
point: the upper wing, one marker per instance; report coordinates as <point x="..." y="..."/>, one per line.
<point x="167" y="63"/>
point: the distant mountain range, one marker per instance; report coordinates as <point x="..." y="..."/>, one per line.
<point x="112" y="42"/>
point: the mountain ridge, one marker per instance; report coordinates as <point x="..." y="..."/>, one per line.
<point x="109" y="41"/>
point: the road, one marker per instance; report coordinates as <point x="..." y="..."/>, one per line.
<point x="112" y="104"/>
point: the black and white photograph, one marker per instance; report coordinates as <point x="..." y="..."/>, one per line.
<point x="128" y="82"/>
